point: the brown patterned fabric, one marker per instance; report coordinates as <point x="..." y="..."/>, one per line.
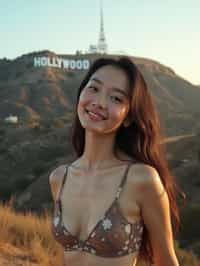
<point x="112" y="236"/>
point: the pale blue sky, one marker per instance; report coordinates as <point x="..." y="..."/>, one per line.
<point x="166" y="31"/>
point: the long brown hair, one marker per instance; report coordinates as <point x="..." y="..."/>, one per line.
<point x="142" y="140"/>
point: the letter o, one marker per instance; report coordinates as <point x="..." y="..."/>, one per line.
<point x="43" y="61"/>
<point x="79" y="64"/>
<point x="72" y="64"/>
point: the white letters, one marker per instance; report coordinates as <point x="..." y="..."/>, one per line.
<point x="86" y="64"/>
<point x="43" y="61"/>
<point x="65" y="63"/>
<point x="79" y="64"/>
<point x="72" y="64"/>
<point x="61" y="63"/>
<point x="37" y="62"/>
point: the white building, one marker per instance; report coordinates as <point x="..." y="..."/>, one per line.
<point x="102" y="46"/>
<point x="11" y="119"/>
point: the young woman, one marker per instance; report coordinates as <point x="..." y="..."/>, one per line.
<point x="114" y="203"/>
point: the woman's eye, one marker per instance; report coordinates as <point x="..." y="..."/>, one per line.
<point x="93" y="88"/>
<point x="116" y="99"/>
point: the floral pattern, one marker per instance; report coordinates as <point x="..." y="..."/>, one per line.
<point x="106" y="224"/>
<point x="102" y="241"/>
<point x="56" y="220"/>
<point x="127" y="228"/>
<point x="113" y="236"/>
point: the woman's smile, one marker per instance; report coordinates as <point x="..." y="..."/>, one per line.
<point x="104" y="99"/>
<point x="94" y="117"/>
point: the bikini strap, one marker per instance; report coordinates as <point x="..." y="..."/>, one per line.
<point x="62" y="184"/>
<point x="123" y="180"/>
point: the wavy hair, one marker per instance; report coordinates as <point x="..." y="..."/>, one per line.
<point x="142" y="140"/>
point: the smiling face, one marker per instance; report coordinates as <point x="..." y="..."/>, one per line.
<point x="107" y="95"/>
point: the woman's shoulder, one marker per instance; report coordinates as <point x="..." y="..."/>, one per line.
<point x="139" y="170"/>
<point x="143" y="172"/>
<point x="145" y="179"/>
<point x="55" y="179"/>
<point x="57" y="173"/>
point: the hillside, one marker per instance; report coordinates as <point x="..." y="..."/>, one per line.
<point x="34" y="92"/>
<point x="43" y="99"/>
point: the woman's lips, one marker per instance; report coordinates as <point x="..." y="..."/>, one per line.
<point x="95" y="116"/>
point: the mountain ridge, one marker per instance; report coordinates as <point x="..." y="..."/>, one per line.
<point x="51" y="90"/>
<point x="44" y="98"/>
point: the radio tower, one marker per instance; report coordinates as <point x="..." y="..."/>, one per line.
<point x="102" y="46"/>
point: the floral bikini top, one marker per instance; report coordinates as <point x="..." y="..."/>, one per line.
<point x="112" y="236"/>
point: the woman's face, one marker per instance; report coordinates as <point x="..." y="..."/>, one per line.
<point x="105" y="94"/>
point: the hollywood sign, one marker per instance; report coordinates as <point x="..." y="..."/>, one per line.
<point x="61" y="63"/>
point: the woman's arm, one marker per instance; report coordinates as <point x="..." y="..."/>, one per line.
<point x="154" y="204"/>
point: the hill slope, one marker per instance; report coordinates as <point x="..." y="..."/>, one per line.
<point x="34" y="92"/>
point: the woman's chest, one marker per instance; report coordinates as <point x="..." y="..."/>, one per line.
<point x="85" y="203"/>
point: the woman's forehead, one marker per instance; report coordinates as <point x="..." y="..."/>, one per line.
<point x="111" y="76"/>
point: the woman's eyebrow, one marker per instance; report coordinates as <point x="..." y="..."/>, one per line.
<point x="113" y="88"/>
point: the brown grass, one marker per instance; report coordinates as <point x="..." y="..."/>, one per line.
<point x="26" y="239"/>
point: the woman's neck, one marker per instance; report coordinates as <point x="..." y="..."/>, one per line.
<point x="98" y="151"/>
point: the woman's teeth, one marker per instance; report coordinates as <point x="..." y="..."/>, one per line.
<point x="95" y="115"/>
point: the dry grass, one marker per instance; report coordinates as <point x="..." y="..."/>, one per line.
<point x="26" y="239"/>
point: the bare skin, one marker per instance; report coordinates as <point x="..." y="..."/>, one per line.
<point x="93" y="179"/>
<point x="92" y="193"/>
<point x="143" y="197"/>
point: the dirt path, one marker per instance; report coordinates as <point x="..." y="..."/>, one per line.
<point x="176" y="138"/>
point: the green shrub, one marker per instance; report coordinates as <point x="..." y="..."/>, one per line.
<point x="2" y="132"/>
<point x="59" y="123"/>
<point x="39" y="168"/>
<point x="21" y="183"/>
<point x="190" y="220"/>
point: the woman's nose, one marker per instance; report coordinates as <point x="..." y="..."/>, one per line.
<point x="101" y="100"/>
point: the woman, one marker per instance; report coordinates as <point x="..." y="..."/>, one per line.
<point x="114" y="202"/>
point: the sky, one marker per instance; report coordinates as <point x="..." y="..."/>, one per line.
<point x="165" y="31"/>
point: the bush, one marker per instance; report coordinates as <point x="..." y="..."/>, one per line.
<point x="59" y="123"/>
<point x="2" y="132"/>
<point x="49" y="153"/>
<point x="189" y="229"/>
<point x="39" y="168"/>
<point x="21" y="183"/>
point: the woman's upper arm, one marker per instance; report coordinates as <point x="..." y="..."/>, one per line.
<point x="155" y="209"/>
<point x="55" y="179"/>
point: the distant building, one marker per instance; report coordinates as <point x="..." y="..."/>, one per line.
<point x="78" y="52"/>
<point x="93" y="49"/>
<point x="11" y="119"/>
<point x="102" y="46"/>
